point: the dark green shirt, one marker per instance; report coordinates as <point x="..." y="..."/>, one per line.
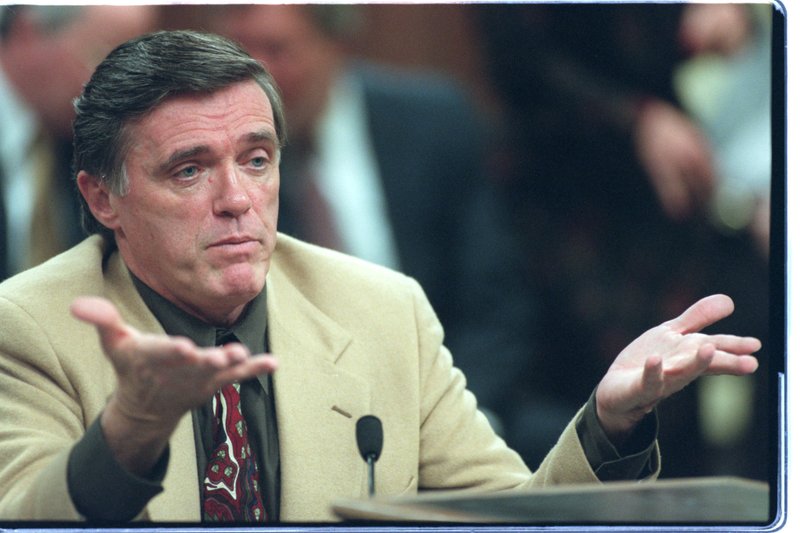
<point x="103" y="491"/>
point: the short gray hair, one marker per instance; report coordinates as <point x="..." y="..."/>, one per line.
<point x="137" y="77"/>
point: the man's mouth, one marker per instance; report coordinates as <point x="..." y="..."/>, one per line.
<point x="235" y="243"/>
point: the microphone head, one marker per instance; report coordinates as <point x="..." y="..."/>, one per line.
<point x="369" y="436"/>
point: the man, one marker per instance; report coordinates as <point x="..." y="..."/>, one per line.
<point x="399" y="161"/>
<point x="47" y="53"/>
<point x="177" y="141"/>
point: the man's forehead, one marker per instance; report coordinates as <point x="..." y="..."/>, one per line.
<point x="238" y="114"/>
<point x="247" y="94"/>
<point x="243" y="106"/>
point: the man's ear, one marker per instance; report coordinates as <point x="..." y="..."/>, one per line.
<point x="98" y="198"/>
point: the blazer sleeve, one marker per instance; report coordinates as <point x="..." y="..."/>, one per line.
<point x="458" y="448"/>
<point x="41" y="419"/>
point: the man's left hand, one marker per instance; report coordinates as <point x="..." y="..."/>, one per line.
<point x="665" y="359"/>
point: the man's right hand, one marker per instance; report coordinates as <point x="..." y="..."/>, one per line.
<point x="677" y="158"/>
<point x="159" y="379"/>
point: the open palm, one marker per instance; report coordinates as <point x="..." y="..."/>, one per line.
<point x="665" y="359"/>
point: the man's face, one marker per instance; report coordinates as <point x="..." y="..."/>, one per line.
<point x="299" y="56"/>
<point x="66" y="57"/>
<point x="198" y="224"/>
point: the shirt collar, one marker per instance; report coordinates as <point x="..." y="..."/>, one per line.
<point x="250" y="329"/>
<point x="18" y="127"/>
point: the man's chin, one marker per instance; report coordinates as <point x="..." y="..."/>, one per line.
<point x="242" y="280"/>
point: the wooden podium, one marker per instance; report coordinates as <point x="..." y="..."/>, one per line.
<point x="724" y="500"/>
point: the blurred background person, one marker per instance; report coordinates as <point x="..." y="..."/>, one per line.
<point x="46" y="55"/>
<point x="392" y="166"/>
<point x="726" y="87"/>
<point x="613" y="182"/>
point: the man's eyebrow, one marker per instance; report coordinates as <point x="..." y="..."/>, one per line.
<point x="188" y="153"/>
<point x="180" y="155"/>
<point x="261" y="136"/>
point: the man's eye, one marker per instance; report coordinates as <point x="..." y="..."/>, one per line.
<point x="259" y="161"/>
<point x="188" y="172"/>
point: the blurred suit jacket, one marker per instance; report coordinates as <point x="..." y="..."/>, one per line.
<point x="448" y="222"/>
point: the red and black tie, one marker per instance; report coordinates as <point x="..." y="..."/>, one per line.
<point x="231" y="489"/>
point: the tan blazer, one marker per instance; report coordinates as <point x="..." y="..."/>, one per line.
<point x="352" y="339"/>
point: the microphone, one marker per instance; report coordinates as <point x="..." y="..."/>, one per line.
<point x="369" y="437"/>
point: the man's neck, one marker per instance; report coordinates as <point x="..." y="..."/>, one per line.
<point x="249" y="327"/>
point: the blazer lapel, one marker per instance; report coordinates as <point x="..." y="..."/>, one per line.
<point x="317" y="405"/>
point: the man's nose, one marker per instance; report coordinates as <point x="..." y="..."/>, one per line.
<point x="231" y="197"/>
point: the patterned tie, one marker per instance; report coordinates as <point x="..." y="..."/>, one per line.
<point x="231" y="491"/>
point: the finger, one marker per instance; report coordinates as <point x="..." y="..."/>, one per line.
<point x="167" y="350"/>
<point x="254" y="366"/>
<point x="220" y="357"/>
<point x="102" y="314"/>
<point x="236" y="352"/>
<point x="672" y="194"/>
<point x="704" y="180"/>
<point x="735" y="344"/>
<point x="733" y="364"/>
<point x="705" y="354"/>
<point x="653" y="376"/>
<point x="702" y="313"/>
<point x="173" y="352"/>
<point x="701" y="173"/>
<point x="211" y="359"/>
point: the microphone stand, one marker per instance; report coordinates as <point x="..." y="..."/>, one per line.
<point x="371" y="474"/>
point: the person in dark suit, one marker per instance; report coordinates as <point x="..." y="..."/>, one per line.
<point x="613" y="182"/>
<point x="399" y="160"/>
<point x="46" y="55"/>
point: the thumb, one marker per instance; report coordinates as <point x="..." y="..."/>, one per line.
<point x="102" y="314"/>
<point x="702" y="313"/>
